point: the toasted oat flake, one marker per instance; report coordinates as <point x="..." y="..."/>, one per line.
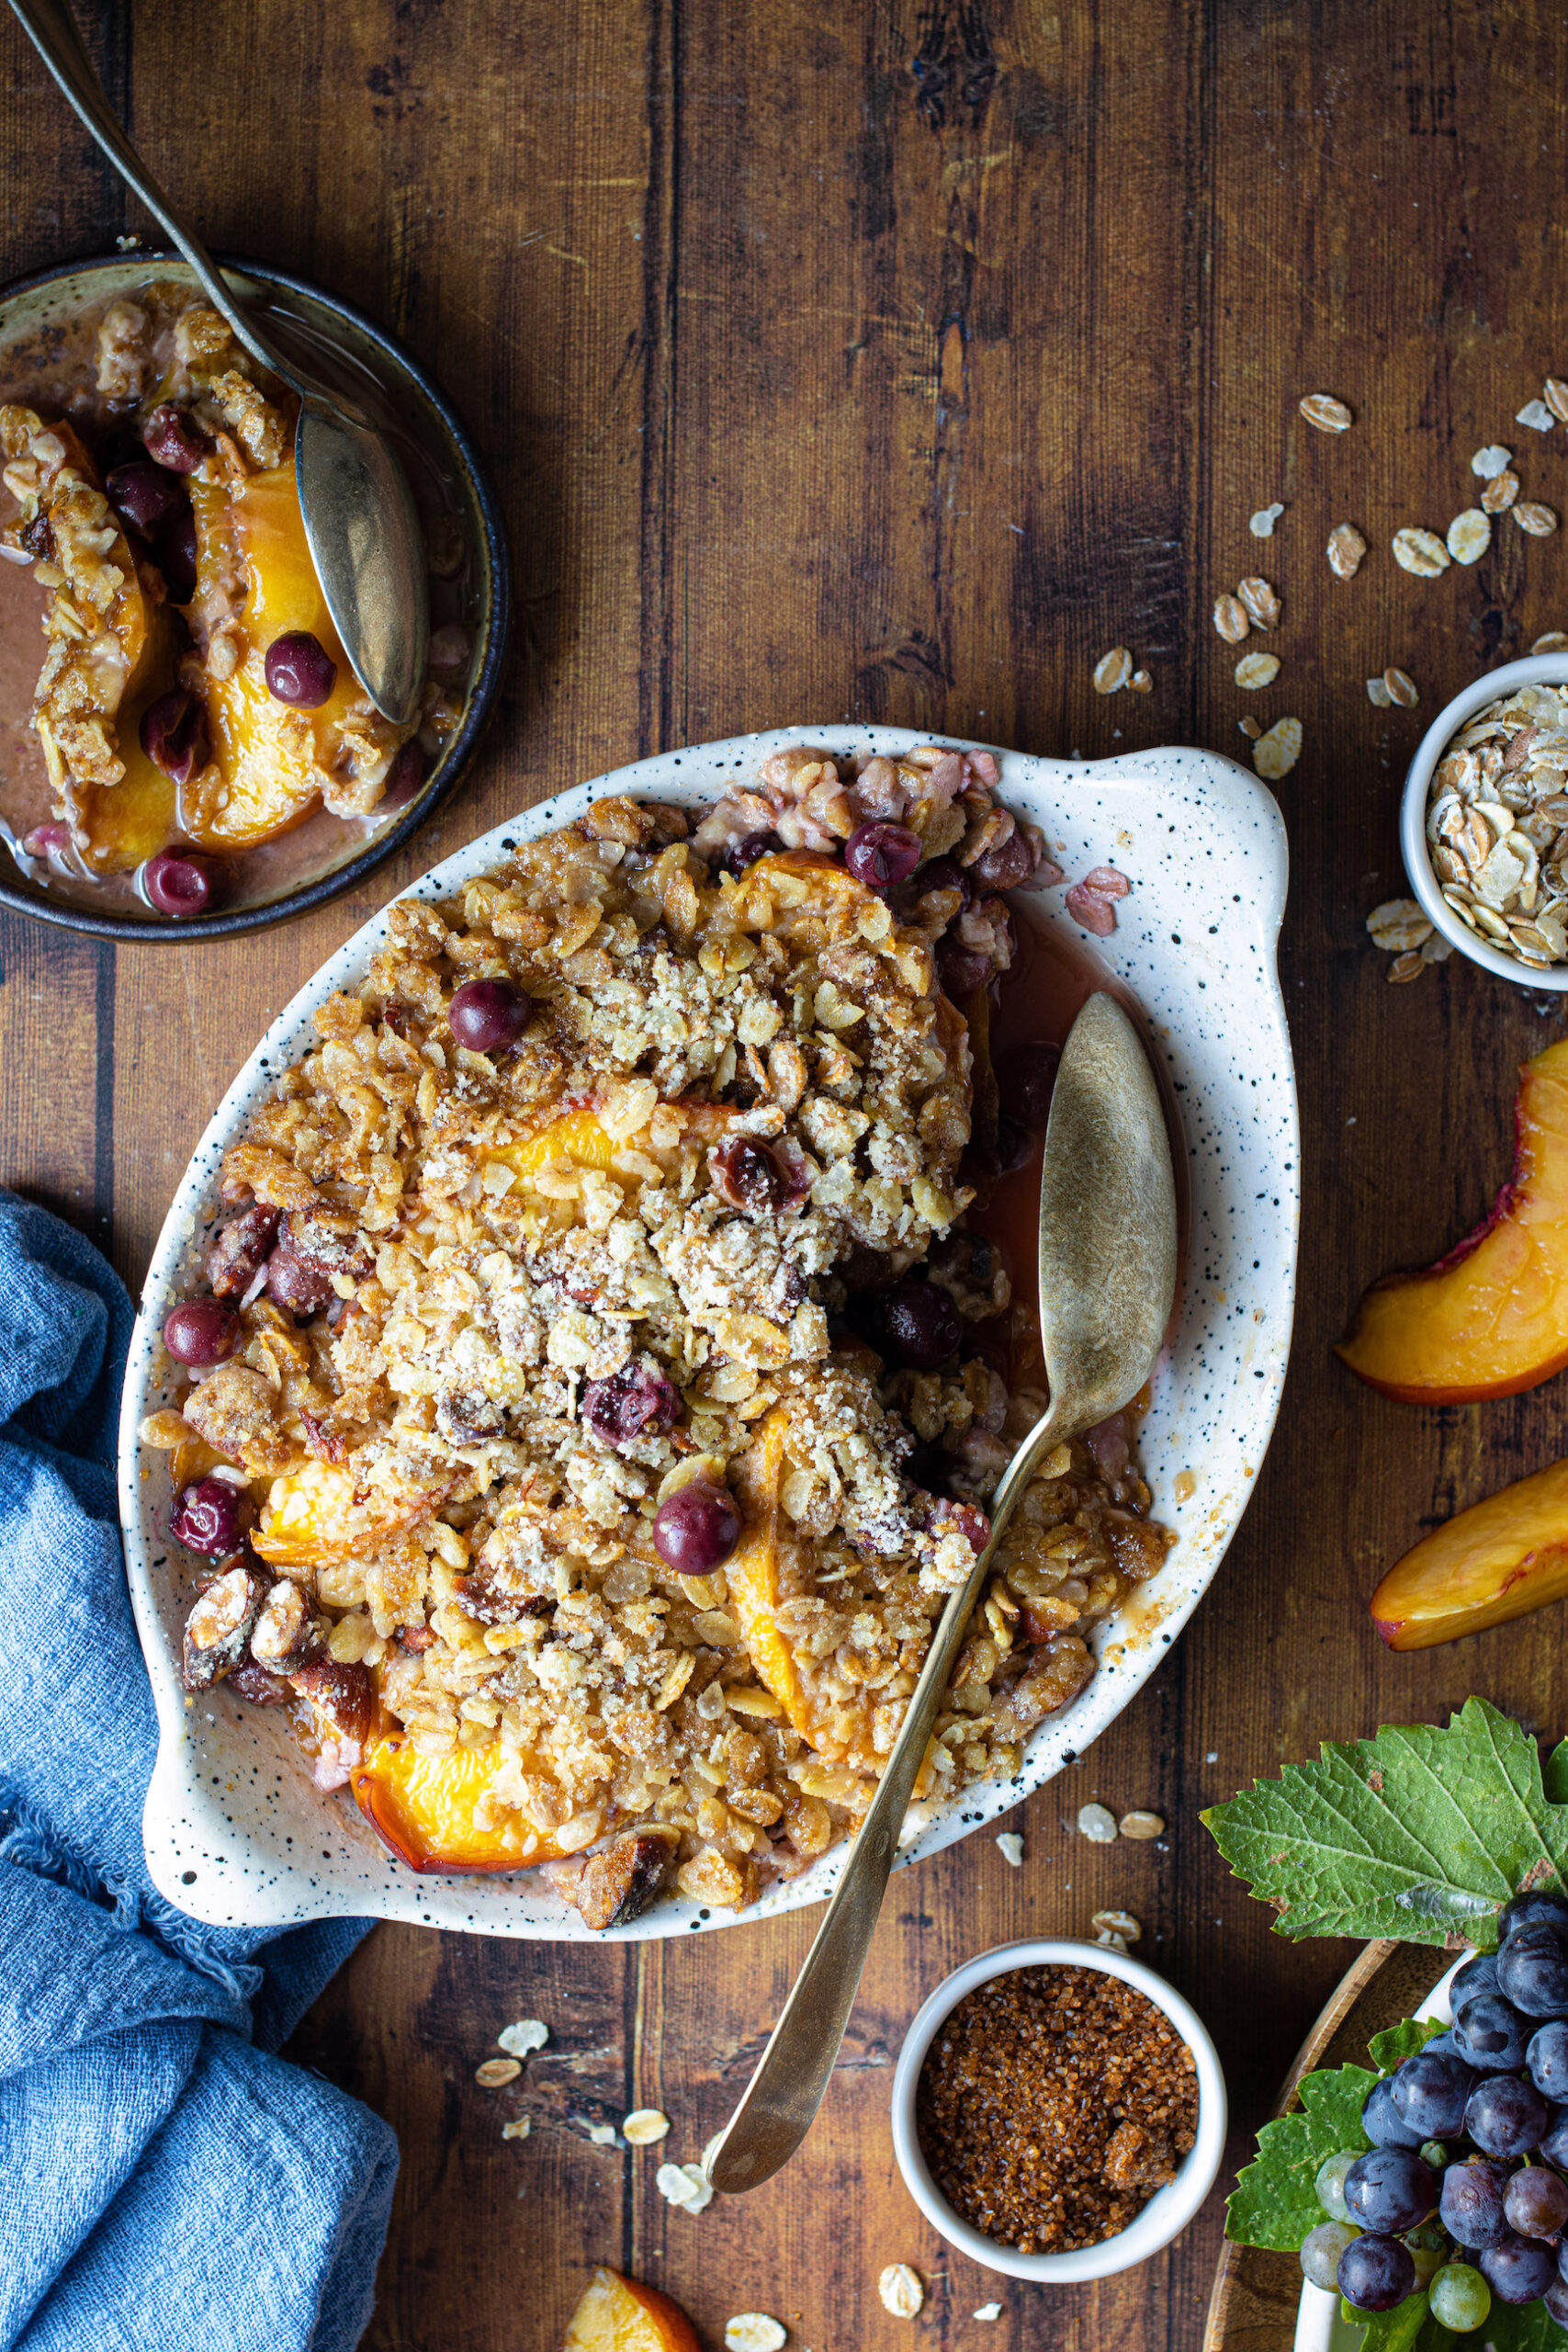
<point x="1537" y="415"/>
<point x="1251" y="728"/>
<point x="1141" y="683"/>
<point x="1098" y="1824"/>
<point x="684" y="2186"/>
<point x="1402" y="688"/>
<point x="518" y="2129"/>
<point x="1117" y="1923"/>
<point x="989" y="2310"/>
<point x="1421" y="552"/>
<point x="1555" y="640"/>
<point x="1346" y="549"/>
<point x="1141" y="1824"/>
<point x="1499" y="495"/>
<point x="1260" y="602"/>
<point x="1230" y="618"/>
<point x="1377" y="692"/>
<point x="1532" y="516"/>
<point x="645" y="2126"/>
<point x="1011" y="1847"/>
<point x="1328" y="415"/>
<point x="753" y="2332"/>
<point x="1112" y="671"/>
<point x="1408" y="967"/>
<point x="1397" y="924"/>
<point x="527" y="2034"/>
<point x="1470" y="535"/>
<point x="1276" y="753"/>
<point x="1490" y="462"/>
<point x="1554" y="391"/>
<point x="603" y="2135"/>
<point x="1261" y="524"/>
<point x="496" y="2072"/>
<point x="901" y="2291"/>
<point x="1255" y="670"/>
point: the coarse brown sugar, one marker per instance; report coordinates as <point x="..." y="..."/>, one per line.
<point x="1053" y="2103"/>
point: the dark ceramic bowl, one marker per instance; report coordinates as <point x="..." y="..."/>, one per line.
<point x="448" y="483"/>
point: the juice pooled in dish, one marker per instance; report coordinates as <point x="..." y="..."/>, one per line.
<point x="194" y="703"/>
<point x="596" y="1388"/>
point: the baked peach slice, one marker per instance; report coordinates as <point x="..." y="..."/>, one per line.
<point x="437" y="1813"/>
<point x="1497" y="1560"/>
<point x="620" y="2314"/>
<point x="1492" y="1316"/>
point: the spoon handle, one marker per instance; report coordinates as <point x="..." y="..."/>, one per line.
<point x="51" y="28"/>
<point x="784" y="2093"/>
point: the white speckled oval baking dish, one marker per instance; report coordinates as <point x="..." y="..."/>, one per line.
<point x="235" y="1831"/>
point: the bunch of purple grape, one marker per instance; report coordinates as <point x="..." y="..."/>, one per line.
<point x="1462" y="2192"/>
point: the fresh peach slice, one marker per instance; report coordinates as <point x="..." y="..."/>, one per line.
<point x="620" y="2314"/>
<point x="1492" y="1316"/>
<point x="267" y="757"/>
<point x="425" y="1808"/>
<point x="1496" y="1560"/>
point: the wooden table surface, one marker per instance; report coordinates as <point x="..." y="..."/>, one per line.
<point x="893" y="362"/>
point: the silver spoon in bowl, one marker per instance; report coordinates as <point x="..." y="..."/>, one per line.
<point x="359" y="513"/>
<point x="1108" y="1249"/>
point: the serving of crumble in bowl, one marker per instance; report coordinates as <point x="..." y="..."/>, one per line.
<point x="574" y="1367"/>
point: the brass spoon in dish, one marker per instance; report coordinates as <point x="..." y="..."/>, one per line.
<point x="1107" y="1283"/>
<point x="359" y="515"/>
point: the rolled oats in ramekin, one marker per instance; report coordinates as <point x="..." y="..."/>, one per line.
<point x="1497" y="825"/>
<point x="598" y="1389"/>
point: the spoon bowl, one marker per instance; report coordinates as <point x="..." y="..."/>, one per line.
<point x="1107" y="1256"/>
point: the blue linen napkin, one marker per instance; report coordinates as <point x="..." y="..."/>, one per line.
<point x="165" y="2180"/>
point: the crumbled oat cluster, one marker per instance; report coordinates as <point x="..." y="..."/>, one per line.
<point x="487" y="1314"/>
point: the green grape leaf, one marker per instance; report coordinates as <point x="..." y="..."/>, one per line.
<point x="1508" y="2328"/>
<point x="1420" y="1833"/>
<point x="1402" y="2041"/>
<point x="1274" y="2202"/>
<point x="1397" y="2330"/>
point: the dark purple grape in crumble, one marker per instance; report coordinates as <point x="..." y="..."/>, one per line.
<point x="1430" y="2094"/>
<point x="177" y="884"/>
<point x="1388" y="2188"/>
<point x="172" y="441"/>
<point x="1506" y="2116"/>
<point x="175" y="734"/>
<point x="1470" y="2206"/>
<point x="746" y="1175"/>
<point x="632" y="1403"/>
<point x="299" y="670"/>
<point x="697" y="1528"/>
<point x="1382" y="2121"/>
<point x="206" y="1518"/>
<point x="1375" y="2273"/>
<point x="403" y="777"/>
<point x="1491" y="2035"/>
<point x="201" y="1332"/>
<point x="177" y="553"/>
<point x="746" y="851"/>
<point x="945" y="874"/>
<point x="880" y="855"/>
<point x="1026" y="1083"/>
<point x="918" y="1323"/>
<point x="485" y="1015"/>
<point x="1517" y="2270"/>
<point x="145" y="496"/>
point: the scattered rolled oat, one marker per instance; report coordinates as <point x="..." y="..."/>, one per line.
<point x="644" y="2126"/>
<point x="1142" y="1825"/>
<point x="686" y="2186"/>
<point x="526" y="2035"/>
<point x="989" y="2310"/>
<point x="1117" y="1923"/>
<point x="1489" y="462"/>
<point x="1012" y="1846"/>
<point x="1112" y="671"/>
<point x="1141" y="683"/>
<point x="1328" y="415"/>
<point x="1402" y="688"/>
<point x="1346" y="549"/>
<point x="1251" y="728"/>
<point x="1532" y="516"/>
<point x="1555" y="393"/>
<point x="1407" y="966"/>
<point x="1398" y="925"/>
<point x="753" y="2332"/>
<point x="518" y="2129"/>
<point x="1255" y="670"/>
<point x="1537" y="415"/>
<point x="1261" y="525"/>
<point x="1500" y="494"/>
<point x="1276" y="753"/>
<point x="1378" y="693"/>
<point x="602" y="2134"/>
<point x="1097" y="1823"/>
<point x="1554" y="641"/>
<point x="495" y="2072"/>
<point x="1230" y="618"/>
<point x="1470" y="535"/>
<point x="1421" y="552"/>
<point x="901" y="2291"/>
<point x="1262" y="603"/>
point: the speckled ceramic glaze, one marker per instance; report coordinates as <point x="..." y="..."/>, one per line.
<point x="235" y="1831"/>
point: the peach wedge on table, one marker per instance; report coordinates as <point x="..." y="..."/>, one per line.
<point x="620" y="2314"/>
<point x="1497" y="1560"/>
<point x="1492" y="1316"/>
